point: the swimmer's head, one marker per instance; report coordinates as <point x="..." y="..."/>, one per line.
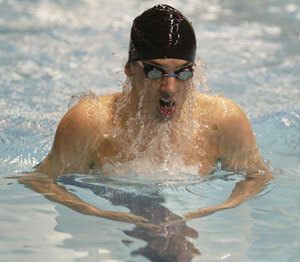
<point x="162" y="32"/>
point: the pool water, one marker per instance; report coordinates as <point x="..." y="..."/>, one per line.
<point x="53" y="50"/>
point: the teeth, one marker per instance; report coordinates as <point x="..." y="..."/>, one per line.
<point x="166" y="102"/>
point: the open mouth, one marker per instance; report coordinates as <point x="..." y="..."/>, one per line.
<point x="166" y="107"/>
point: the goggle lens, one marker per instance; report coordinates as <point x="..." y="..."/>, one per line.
<point x="185" y="73"/>
<point x="155" y="72"/>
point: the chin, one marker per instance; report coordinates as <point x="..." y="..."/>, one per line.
<point x="166" y="115"/>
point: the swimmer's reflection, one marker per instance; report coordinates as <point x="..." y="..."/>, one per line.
<point x="167" y="242"/>
<point x="164" y="231"/>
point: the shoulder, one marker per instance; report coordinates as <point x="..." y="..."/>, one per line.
<point x="92" y="106"/>
<point x="230" y="119"/>
<point x="221" y="111"/>
<point x="85" y="124"/>
<point x="237" y="143"/>
<point x="89" y="114"/>
<point x="237" y="147"/>
<point x="230" y="115"/>
<point x="77" y="135"/>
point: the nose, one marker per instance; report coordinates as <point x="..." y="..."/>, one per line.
<point x="168" y="86"/>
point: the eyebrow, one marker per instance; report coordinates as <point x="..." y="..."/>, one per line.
<point x="164" y="67"/>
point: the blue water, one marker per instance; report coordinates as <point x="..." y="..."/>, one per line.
<point x="51" y="50"/>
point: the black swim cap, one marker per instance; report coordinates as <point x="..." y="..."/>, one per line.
<point x="162" y="32"/>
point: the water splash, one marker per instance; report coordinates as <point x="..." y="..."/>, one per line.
<point x="150" y="146"/>
<point x="80" y="96"/>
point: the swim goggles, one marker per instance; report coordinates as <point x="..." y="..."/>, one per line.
<point x="156" y="72"/>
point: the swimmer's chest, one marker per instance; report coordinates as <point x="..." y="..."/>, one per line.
<point x="201" y="148"/>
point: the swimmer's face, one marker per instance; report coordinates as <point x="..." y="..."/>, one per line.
<point x="162" y="85"/>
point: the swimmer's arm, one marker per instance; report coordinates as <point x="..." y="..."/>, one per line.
<point x="75" y="140"/>
<point x="237" y="144"/>
<point x="51" y="190"/>
<point x="74" y="143"/>
<point x="243" y="190"/>
<point x="238" y="152"/>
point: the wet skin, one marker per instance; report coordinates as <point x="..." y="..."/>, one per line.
<point x="95" y="131"/>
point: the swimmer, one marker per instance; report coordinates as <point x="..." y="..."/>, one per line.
<point x="203" y="130"/>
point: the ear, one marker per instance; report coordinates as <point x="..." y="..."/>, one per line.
<point x="128" y="70"/>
